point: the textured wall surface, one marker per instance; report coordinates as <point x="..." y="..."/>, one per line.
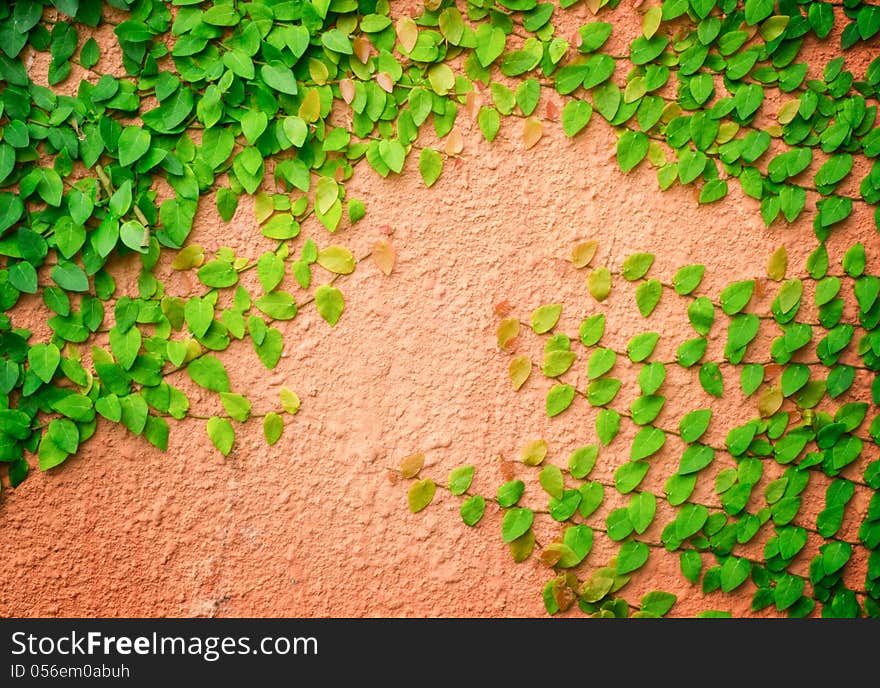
<point x="317" y="525"/>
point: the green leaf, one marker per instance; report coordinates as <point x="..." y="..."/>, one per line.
<point x="688" y="278"/>
<point x="657" y="603"/>
<point x="509" y="493"/>
<point x="645" y="409"/>
<point x="592" y="329"/>
<point x="632" y="147"/>
<point x="279" y="305"/>
<point x="559" y="398"/>
<point x="582" y="461"/>
<point x="647" y="442"/>
<point x="576" y="115"/>
<point x="602" y="392"/>
<point x="64" y="435"/>
<point x="678" y="488"/>
<point x="691" y="565"/>
<point x="430" y="166"/>
<point x="711" y="379"/>
<point x="641" y="510"/>
<point x="594" y="35"/>
<point x="516" y="522"/>
<point x="736" y="296"/>
<point x="632" y="556"/>
<point x="600" y="362"/>
<point x="651" y="377"/>
<point x="221" y="434"/>
<point x="788" y="590"/>
<point x="580" y="540"/>
<point x="695" y="458"/>
<point x="690" y="520"/>
<point x="854" y="260"/>
<point x="592" y="495"/>
<point x="714" y="190"/>
<point x="630" y="475"/>
<point x="43" y="360"/>
<point x="460" y="479"/>
<point x="70" y="277"/>
<point x="648" y="295"/>
<point x="280" y="78"/>
<point x="557" y="362"/>
<point x="218" y="273"/>
<point x="544" y="318"/>
<point x="607" y="425"/>
<point x="133" y="144"/>
<point x="693" y="425"/>
<point x="834" y="209"/>
<point x="644" y="50"/>
<point x="237" y="406"/>
<point x="552" y="481"/>
<point x="273" y="426"/>
<point x="701" y="314"/>
<point x="336" y="259"/>
<point x="637" y="265"/>
<point x="641" y="346"/>
<point x="472" y="510"/>
<point x="489" y="122"/>
<point x="208" y="372"/>
<point x="490" y="44"/>
<point x="330" y="303"/>
<point x="734" y="572"/>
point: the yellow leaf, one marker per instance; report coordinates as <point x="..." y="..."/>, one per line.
<point x="454" y="142"/>
<point x="670" y="112"/>
<point x="384" y="256"/>
<point x="534" y="452"/>
<point x="582" y="254"/>
<point x="595" y="5"/>
<point x="773" y="27"/>
<point x="789" y="111"/>
<point x="656" y="154"/>
<point x="770" y="402"/>
<point x="193" y="350"/>
<point x="726" y="132"/>
<point x="310" y="108"/>
<point x="599" y="283"/>
<point x="289" y="401"/>
<point x="777" y="264"/>
<point x="774" y="130"/>
<point x="407" y="33"/>
<point x="318" y="71"/>
<point x="651" y="21"/>
<point x="264" y="206"/>
<point x="420" y="494"/>
<point x="533" y="130"/>
<point x="411" y="465"/>
<point x="188" y="257"/>
<point x="441" y="78"/>
<point x="336" y="259"/>
<point x="635" y="89"/>
<point x="521" y="548"/>
<point x="507" y="331"/>
<point x="520" y="368"/>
